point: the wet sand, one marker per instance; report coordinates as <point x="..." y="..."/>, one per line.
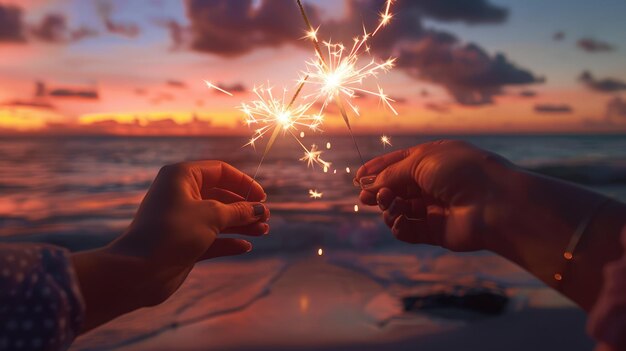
<point x="317" y="304"/>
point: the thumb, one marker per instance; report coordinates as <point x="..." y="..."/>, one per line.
<point x="399" y="177"/>
<point x="226" y="247"/>
<point x="239" y="214"/>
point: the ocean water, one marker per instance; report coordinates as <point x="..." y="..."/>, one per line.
<point x="83" y="191"/>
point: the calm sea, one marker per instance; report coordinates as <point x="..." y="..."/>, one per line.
<point x="83" y="191"/>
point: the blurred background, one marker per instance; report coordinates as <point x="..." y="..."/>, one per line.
<point x="95" y="96"/>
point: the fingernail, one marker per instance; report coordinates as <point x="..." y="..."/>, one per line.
<point x="258" y="210"/>
<point x="367" y="182"/>
<point x="380" y="204"/>
<point x="264" y="198"/>
<point x="249" y="247"/>
<point x="392" y="206"/>
<point x="267" y="230"/>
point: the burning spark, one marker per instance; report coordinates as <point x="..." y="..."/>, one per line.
<point x="312" y="157"/>
<point x="275" y="113"/>
<point x="385" y="141"/>
<point x="301" y="134"/>
<point x="385" y="17"/>
<point x="347" y="169"/>
<point x="328" y="145"/>
<point x="314" y="194"/>
<point x="320" y="252"/>
<point x="213" y="86"/>
<point x="356" y="208"/>
<point x="340" y="78"/>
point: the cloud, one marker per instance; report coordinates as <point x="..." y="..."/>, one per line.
<point x="606" y="85"/>
<point x="11" y="25"/>
<point x="236" y="27"/>
<point x="178" y="32"/>
<point x="553" y="109"/>
<point x="614" y="115"/>
<point x="468" y="73"/>
<point x="527" y="93"/>
<point x="28" y="103"/>
<point x="234" y="88"/>
<point x="176" y="83"/>
<point x="53" y="28"/>
<point x="558" y="36"/>
<point x="594" y="46"/>
<point x="441" y="108"/>
<point x="616" y="110"/>
<point x="105" y="11"/>
<point x="85" y="93"/>
<point x="468" y="11"/>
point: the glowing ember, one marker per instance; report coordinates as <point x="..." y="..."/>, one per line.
<point x="314" y="194"/>
<point x="313" y="157"/>
<point x="356" y="208"/>
<point x="347" y="169"/>
<point x="385" y="140"/>
<point x="328" y="145"/>
<point x="320" y="252"/>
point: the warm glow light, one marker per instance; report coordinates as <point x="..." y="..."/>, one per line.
<point x="385" y="140"/>
<point x="356" y="208"/>
<point x="314" y="194"/>
<point x="320" y="252"/>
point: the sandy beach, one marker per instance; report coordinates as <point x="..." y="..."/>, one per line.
<point x="345" y="302"/>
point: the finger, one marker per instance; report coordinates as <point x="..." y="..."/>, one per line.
<point x="224" y="196"/>
<point x="217" y="174"/>
<point x="377" y="164"/>
<point x="409" y="231"/>
<point x="398" y="177"/>
<point x="226" y="247"/>
<point x="367" y="198"/>
<point x="384" y="197"/>
<point x="255" y="229"/>
<point x="396" y="208"/>
<point x="237" y="214"/>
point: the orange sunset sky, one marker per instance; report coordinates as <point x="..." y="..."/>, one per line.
<point x="137" y="67"/>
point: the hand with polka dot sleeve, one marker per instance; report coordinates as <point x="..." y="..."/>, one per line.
<point x="41" y="307"/>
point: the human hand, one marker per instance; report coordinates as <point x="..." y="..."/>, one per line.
<point x="180" y="218"/>
<point x="445" y="193"/>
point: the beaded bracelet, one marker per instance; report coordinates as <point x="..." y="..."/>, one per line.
<point x="568" y="254"/>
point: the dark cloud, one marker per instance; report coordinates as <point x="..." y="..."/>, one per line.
<point x="616" y="110"/>
<point x="558" y="36"/>
<point x="11" y="25"/>
<point x="176" y="83"/>
<point x="127" y="29"/>
<point x="528" y="93"/>
<point x="53" y="28"/>
<point x="471" y="75"/>
<point x="441" y="108"/>
<point x="614" y="115"/>
<point x="594" y="46"/>
<point x="468" y="11"/>
<point x="41" y="91"/>
<point x="554" y="109"/>
<point x="28" y="103"/>
<point x="236" y="27"/>
<point x="606" y="85"/>
<point x="178" y="33"/>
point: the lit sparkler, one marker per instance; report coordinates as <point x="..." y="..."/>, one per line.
<point x="340" y="77"/>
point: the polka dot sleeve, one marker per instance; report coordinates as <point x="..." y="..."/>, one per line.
<point x="41" y="307"/>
